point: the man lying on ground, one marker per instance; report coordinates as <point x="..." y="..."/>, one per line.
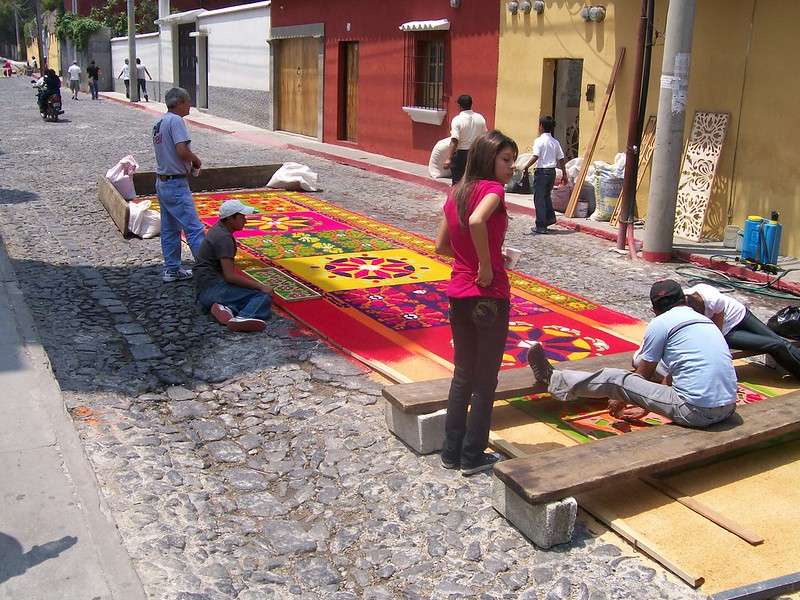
<point x="691" y="347"/>
<point x="741" y="328"/>
<point x="235" y="300"/>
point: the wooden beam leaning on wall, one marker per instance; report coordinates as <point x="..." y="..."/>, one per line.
<point x="587" y="155"/>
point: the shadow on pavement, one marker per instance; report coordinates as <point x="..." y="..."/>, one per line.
<point x="14" y="562"/>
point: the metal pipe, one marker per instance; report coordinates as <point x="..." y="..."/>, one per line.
<point x="634" y="135"/>
<point x="658" y="233"/>
<point x="133" y="82"/>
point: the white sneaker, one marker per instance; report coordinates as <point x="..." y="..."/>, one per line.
<point x="246" y="325"/>
<point x="179" y="275"/>
<point x="221" y="313"/>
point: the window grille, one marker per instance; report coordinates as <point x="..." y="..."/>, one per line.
<point x="425" y="54"/>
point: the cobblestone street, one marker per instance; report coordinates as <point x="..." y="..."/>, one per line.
<point x="259" y="466"/>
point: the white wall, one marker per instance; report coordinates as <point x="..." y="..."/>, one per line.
<point x="146" y="49"/>
<point x="238" y="54"/>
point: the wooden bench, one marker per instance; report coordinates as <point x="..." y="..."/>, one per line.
<point x="424" y="397"/>
<point x="563" y="472"/>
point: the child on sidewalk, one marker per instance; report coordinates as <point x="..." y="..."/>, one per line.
<point x="548" y="154"/>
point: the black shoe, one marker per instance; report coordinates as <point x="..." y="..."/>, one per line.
<point x="449" y="463"/>
<point x="540" y="230"/>
<point x="541" y="367"/>
<point x="485" y="462"/>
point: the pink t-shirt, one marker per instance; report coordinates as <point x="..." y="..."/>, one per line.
<point x="465" y="267"/>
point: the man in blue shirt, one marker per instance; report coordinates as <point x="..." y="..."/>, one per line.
<point x="174" y="162"/>
<point x="692" y="348"/>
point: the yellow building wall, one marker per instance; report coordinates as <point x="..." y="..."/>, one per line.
<point x="53" y="53"/>
<point x="738" y="65"/>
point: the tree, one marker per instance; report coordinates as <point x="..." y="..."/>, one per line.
<point x="9" y="21"/>
<point x="113" y="14"/>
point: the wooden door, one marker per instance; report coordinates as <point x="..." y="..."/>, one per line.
<point x="348" y="91"/>
<point x="187" y="61"/>
<point x="297" y="85"/>
<point x="567" y="104"/>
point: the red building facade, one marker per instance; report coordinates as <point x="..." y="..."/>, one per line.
<point x="369" y="69"/>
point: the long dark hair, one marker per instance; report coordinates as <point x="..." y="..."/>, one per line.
<point x="480" y="165"/>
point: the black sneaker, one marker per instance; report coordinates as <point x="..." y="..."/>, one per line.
<point x="484" y="463"/>
<point x="541" y="367"/>
<point x="449" y="463"/>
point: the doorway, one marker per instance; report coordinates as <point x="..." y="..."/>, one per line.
<point x="297" y="85"/>
<point x="348" y="91"/>
<point x="565" y="103"/>
<point x="187" y="61"/>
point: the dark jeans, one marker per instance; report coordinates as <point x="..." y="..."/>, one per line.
<point x="44" y="95"/>
<point x="127" y="83"/>
<point x="244" y="302"/>
<point x="143" y="87"/>
<point x="480" y="328"/>
<point x="458" y="165"/>
<point x="752" y="334"/>
<point x="543" y="180"/>
<point x="93" y="88"/>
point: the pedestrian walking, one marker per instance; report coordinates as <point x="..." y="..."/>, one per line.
<point x="34" y="66"/>
<point x="174" y="161"/>
<point x="74" y="79"/>
<point x="547" y="154"/>
<point x="472" y="232"/>
<point x="93" y="71"/>
<point x="125" y="73"/>
<point x="141" y="71"/>
<point x="235" y="300"/>
<point x="465" y="128"/>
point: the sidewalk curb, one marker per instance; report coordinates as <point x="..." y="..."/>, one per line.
<point x="736" y="271"/>
<point x="114" y="561"/>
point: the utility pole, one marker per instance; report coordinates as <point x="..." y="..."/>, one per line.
<point x="134" y="81"/>
<point x="16" y="30"/>
<point x="42" y="58"/>
<point x="658" y="233"/>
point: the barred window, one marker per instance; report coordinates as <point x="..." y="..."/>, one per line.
<point x="425" y="54"/>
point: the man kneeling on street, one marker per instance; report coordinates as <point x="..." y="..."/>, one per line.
<point x="689" y="345"/>
<point x="235" y="300"/>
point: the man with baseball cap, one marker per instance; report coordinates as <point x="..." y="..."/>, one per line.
<point x="689" y="345"/>
<point x="235" y="300"/>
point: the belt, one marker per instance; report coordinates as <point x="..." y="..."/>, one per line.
<point x="168" y="177"/>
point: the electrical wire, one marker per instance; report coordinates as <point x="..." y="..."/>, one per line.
<point x="727" y="284"/>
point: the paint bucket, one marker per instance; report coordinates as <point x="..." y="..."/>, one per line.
<point x="512" y="257"/>
<point x="582" y="210"/>
<point x="731" y="236"/>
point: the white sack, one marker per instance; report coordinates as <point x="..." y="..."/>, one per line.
<point x="120" y="176"/>
<point x="439" y="154"/>
<point x="143" y="221"/>
<point x="522" y="160"/>
<point x="294" y="176"/>
<point x="574" y="168"/>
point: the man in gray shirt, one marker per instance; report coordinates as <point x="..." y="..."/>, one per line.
<point x="174" y="162"/>
<point x="696" y="356"/>
<point x="235" y="300"/>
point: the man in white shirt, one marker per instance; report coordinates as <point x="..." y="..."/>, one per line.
<point x="465" y="128"/>
<point x="125" y="73"/>
<point x="141" y="71"/>
<point x="703" y="390"/>
<point x="74" y="79"/>
<point x="741" y="328"/>
<point x="547" y="154"/>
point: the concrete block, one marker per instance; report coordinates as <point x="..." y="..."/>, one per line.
<point x="422" y="433"/>
<point x="545" y="525"/>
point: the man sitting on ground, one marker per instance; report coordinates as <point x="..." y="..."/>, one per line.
<point x="692" y="348"/>
<point x="235" y="300"/>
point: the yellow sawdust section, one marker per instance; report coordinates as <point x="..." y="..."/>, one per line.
<point x="758" y="490"/>
<point x="312" y="269"/>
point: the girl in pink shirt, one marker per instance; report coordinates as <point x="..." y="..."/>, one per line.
<point x="472" y="232"/>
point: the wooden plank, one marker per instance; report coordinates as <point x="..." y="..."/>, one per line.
<point x="737" y="529"/>
<point x="635" y="539"/>
<point x="587" y="155"/>
<point x="351" y="114"/>
<point x="423" y="397"/>
<point x="114" y="203"/>
<point x="646" y="149"/>
<point x="563" y="472"/>
<point x="763" y="590"/>
<point x="214" y="179"/>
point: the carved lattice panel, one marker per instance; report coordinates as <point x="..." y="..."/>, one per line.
<point x="697" y="173"/>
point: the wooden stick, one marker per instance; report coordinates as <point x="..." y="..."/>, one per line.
<point x="587" y="156"/>
<point x="645" y="155"/>
<point x="706" y="511"/>
<point x="636" y="539"/>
